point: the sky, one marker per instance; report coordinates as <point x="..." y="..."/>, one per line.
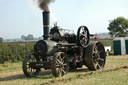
<point x="22" y="17"/>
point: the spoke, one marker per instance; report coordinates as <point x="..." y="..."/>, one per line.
<point x="63" y="71"/>
<point x="82" y="34"/>
<point x="62" y="59"/>
<point x="27" y="64"/>
<point x="33" y="70"/>
<point x="86" y="41"/>
<point x="97" y="64"/>
<point x="85" y="33"/>
<point x="65" y="64"/>
<point x="83" y="28"/>
<point x="30" y="69"/>
<point x="81" y="41"/>
<point x="86" y="38"/>
<point x="59" y="62"/>
<point x="57" y="66"/>
<point x="59" y="57"/>
<point x="95" y="51"/>
<point x="100" y="51"/>
<point x="100" y="59"/>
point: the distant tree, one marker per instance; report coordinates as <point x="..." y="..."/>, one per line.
<point x="40" y="38"/>
<point x="23" y="37"/>
<point x="30" y="37"/>
<point x="118" y="27"/>
<point x="1" y="39"/>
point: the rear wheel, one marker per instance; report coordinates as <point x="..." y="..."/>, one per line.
<point x="28" y="71"/>
<point x="95" y="56"/>
<point x="60" y="64"/>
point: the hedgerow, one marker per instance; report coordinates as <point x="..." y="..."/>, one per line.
<point x="14" y="52"/>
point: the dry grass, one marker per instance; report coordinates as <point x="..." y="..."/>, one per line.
<point x="114" y="73"/>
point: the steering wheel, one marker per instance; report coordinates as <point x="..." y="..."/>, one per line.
<point x="83" y="36"/>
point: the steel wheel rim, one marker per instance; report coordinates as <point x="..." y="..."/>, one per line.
<point x="83" y="36"/>
<point x="96" y="56"/>
<point x="30" y="70"/>
<point x="61" y="64"/>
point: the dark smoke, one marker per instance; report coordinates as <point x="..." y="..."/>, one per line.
<point x="43" y="4"/>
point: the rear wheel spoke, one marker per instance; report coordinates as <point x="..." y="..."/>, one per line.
<point x="97" y="64"/>
<point x="100" y="59"/>
<point x="100" y="51"/>
<point x="97" y="57"/>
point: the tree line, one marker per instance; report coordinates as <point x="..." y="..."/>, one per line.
<point x="28" y="37"/>
<point x="118" y="27"/>
<point x="1" y="39"/>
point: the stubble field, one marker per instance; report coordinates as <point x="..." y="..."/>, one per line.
<point x="114" y="73"/>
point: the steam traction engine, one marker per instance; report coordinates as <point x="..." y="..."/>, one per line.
<point x="61" y="52"/>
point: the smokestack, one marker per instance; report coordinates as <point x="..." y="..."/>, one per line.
<point x="46" y="18"/>
<point x="43" y="5"/>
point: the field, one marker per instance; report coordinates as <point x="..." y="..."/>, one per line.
<point x="14" y="52"/>
<point x="114" y="73"/>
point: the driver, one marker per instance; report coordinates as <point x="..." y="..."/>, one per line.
<point x="55" y="34"/>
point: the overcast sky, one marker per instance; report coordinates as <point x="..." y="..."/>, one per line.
<point x="20" y="17"/>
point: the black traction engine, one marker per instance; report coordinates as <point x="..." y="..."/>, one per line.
<point x="62" y="51"/>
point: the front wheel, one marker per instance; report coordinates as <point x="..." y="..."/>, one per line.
<point x="60" y="64"/>
<point x="28" y="71"/>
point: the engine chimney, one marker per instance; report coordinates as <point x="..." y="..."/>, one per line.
<point x="46" y="26"/>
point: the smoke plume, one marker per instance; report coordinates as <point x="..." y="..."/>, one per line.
<point x="43" y="4"/>
<point x="53" y="16"/>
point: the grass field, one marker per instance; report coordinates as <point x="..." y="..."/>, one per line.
<point x="114" y="73"/>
